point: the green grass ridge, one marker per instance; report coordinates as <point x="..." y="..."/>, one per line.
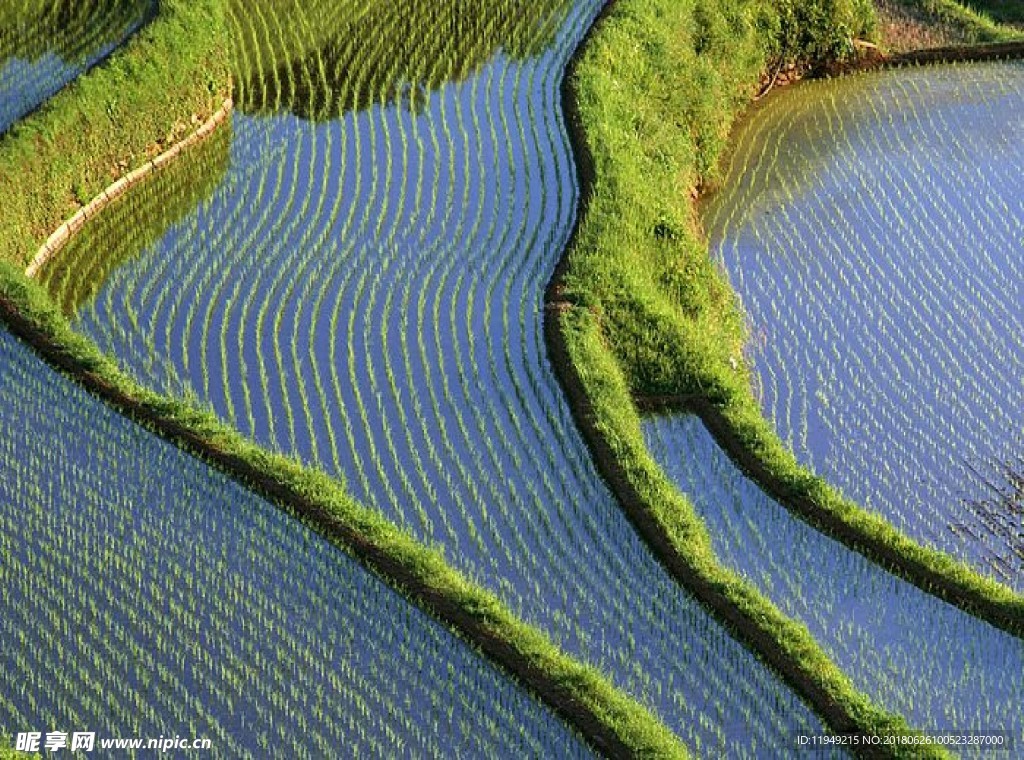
<point x="117" y="234"/>
<point x="667" y="322"/>
<point x="175" y="68"/>
<point x="1003" y="11"/>
<point x="979" y="21"/>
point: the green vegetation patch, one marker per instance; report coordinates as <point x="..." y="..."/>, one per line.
<point x="1004" y="11"/>
<point x="656" y="105"/>
<point x="77" y="273"/>
<point x="978" y="21"/>
<point x="159" y="87"/>
<point x="7" y="751"/>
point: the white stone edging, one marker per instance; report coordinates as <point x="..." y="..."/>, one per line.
<point x="63" y="234"/>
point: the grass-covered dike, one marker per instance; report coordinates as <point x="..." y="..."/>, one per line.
<point x="150" y="94"/>
<point x="644" y="315"/>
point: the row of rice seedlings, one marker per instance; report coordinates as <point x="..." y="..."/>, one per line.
<point x="44" y="46"/>
<point x="145" y="594"/>
<point x="941" y="668"/>
<point x="873" y="228"/>
<point x="395" y="340"/>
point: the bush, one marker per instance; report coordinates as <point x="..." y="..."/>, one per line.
<point x="810" y="32"/>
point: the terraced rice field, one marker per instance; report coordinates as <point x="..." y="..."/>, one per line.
<point x="877" y="251"/>
<point x="44" y="46"/>
<point x="938" y="666"/>
<point x="363" y="290"/>
<point x="144" y="594"/>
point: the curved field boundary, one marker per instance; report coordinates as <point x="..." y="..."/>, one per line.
<point x="999" y="51"/>
<point x="411" y="319"/>
<point x="785" y="645"/>
<point x="820" y="505"/>
<point x="604" y="409"/>
<point x="63" y="234"/>
<point x="611" y="722"/>
<point x="753" y="444"/>
<point x="976" y="20"/>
